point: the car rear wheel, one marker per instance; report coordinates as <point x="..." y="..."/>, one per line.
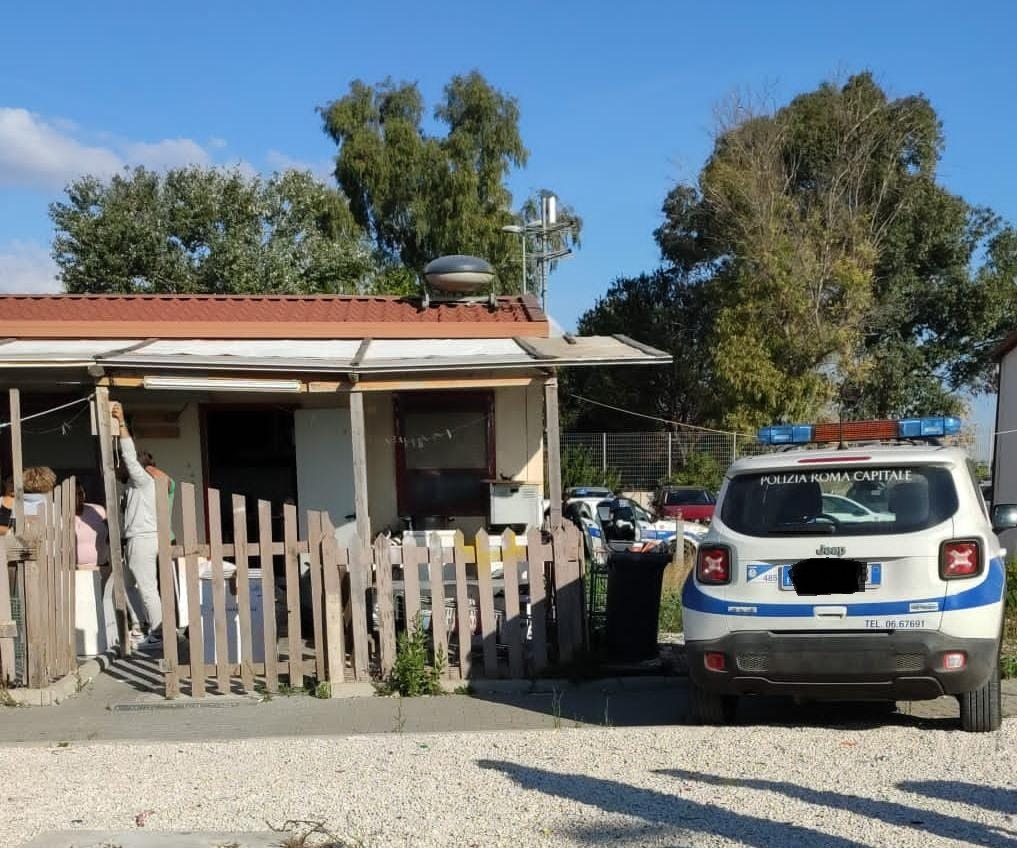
<point x="981" y="711"/>
<point x="711" y="708"/>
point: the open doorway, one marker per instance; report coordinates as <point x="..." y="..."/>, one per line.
<point x="251" y="451"/>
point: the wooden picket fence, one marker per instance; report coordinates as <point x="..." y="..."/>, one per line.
<point x="360" y="597"/>
<point x="37" y="646"/>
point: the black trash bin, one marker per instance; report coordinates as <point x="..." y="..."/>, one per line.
<point x="633" y="603"/>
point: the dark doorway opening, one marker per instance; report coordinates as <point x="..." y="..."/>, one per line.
<point x="250" y="451"/>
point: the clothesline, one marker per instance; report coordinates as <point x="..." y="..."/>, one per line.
<point x="49" y="411"/>
<point x="655" y="418"/>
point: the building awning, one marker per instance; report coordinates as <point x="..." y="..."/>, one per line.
<point x="354" y="357"/>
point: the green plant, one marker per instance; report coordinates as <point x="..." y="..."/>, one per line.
<point x="700" y="469"/>
<point x="323" y="690"/>
<point x="579" y="467"/>
<point x="669" y="620"/>
<point x="413" y="674"/>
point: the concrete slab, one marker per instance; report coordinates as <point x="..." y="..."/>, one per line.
<point x="153" y="839"/>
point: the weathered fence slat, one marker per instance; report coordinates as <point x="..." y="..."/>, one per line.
<point x="268" y="595"/>
<point x="386" y="607"/>
<point x="243" y="580"/>
<point x="293" y="635"/>
<point x="513" y="625"/>
<point x="6" y="618"/>
<point x="314" y="542"/>
<point x="335" y="646"/>
<point x="171" y="658"/>
<point x="436" y="578"/>
<point x="464" y="630"/>
<point x="488" y="626"/>
<point x="196" y="642"/>
<point x="70" y="574"/>
<point x="359" y="568"/>
<point x="411" y="582"/>
<point x="538" y="601"/>
<point x="568" y="592"/>
<point x="222" y="645"/>
<point x="51" y="515"/>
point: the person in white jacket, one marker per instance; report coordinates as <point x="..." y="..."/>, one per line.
<point x="140" y="532"/>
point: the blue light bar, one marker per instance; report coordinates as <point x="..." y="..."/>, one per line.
<point x="930" y="427"/>
<point x="785" y="434"/>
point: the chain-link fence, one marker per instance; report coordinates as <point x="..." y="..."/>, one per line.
<point x="644" y="460"/>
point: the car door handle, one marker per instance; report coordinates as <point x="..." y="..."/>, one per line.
<point x="830" y="612"/>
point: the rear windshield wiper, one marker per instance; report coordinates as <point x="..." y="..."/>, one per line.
<point x="802" y="530"/>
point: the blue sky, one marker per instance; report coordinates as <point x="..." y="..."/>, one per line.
<point x="616" y="99"/>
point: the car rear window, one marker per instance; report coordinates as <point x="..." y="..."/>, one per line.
<point x="686" y="497"/>
<point x="875" y="500"/>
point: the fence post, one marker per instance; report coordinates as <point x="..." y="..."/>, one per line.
<point x="670" y="467"/>
<point x="603" y="452"/>
<point x="734" y="446"/>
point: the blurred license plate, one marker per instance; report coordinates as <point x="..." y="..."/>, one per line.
<point x="873" y="576"/>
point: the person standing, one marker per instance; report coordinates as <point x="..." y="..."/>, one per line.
<point x="91" y="533"/>
<point x="140" y="532"/>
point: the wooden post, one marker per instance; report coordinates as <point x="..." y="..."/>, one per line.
<point x="294" y="637"/>
<point x="538" y="605"/>
<point x="553" y="450"/>
<point x="314" y="555"/>
<point x="17" y="464"/>
<point x="240" y="556"/>
<point x="171" y="658"/>
<point x="358" y="434"/>
<point x="513" y="622"/>
<point x="268" y="596"/>
<point x="109" y="481"/>
<point x="192" y="581"/>
<point x="486" y="590"/>
<point x="222" y="648"/>
<point x="436" y="579"/>
<point x="463" y="629"/>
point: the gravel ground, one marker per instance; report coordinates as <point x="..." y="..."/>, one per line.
<point x="758" y="786"/>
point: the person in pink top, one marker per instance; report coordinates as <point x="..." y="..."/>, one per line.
<point x="91" y="532"/>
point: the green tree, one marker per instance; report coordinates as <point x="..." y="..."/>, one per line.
<point x="667" y="310"/>
<point x="210" y="230"/>
<point x="420" y="196"/>
<point x="841" y="270"/>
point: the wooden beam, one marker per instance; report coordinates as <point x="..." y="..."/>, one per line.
<point x="358" y="357"/>
<point x="553" y="450"/>
<point x="359" y="435"/>
<point x="17" y="463"/>
<point x="404" y="385"/>
<point x="109" y="480"/>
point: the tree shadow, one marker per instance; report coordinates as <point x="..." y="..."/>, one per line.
<point x="987" y="797"/>
<point x="662" y="814"/>
<point x="929" y="822"/>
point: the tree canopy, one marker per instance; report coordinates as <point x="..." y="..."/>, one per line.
<point x="418" y="195"/>
<point x="209" y="230"/>
<point x="832" y="267"/>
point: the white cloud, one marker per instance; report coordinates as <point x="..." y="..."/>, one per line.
<point x="27" y="268"/>
<point x="279" y="161"/>
<point x="39" y="153"/>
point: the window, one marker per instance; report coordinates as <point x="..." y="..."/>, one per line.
<point x="687" y="497"/>
<point x="444" y="453"/>
<point x="856" y="501"/>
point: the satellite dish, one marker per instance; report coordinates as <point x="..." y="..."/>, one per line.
<point x="459" y="274"/>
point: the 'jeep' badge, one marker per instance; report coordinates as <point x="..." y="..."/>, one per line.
<point x="826" y="550"/>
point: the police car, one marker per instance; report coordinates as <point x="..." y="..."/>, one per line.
<point x="902" y="599"/>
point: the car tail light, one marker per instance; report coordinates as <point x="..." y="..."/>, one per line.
<point x="714" y="564"/>
<point x="960" y="558"/>
<point x="714" y="661"/>
<point x="954" y="661"/>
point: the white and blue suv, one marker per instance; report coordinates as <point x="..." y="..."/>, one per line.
<point x="857" y="572"/>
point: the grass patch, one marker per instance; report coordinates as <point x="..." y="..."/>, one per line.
<point x="1008" y="660"/>
<point x="669" y="620"/>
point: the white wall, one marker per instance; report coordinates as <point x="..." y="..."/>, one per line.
<point x="519" y="432"/>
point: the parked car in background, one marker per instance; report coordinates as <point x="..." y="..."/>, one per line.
<point x="692" y="503"/>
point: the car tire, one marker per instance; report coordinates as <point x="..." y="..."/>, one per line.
<point x="981" y="711"/>
<point x="710" y="707"/>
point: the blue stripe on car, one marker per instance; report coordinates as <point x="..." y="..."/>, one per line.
<point x="989" y="591"/>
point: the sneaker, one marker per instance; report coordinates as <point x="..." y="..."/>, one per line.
<point x="151" y="642"/>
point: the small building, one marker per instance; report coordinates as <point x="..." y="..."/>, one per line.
<point x="380" y="413"/>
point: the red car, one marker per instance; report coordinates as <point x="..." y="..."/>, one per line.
<point x="693" y="503"/>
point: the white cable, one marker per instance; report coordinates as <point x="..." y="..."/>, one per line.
<point x="655" y="418"/>
<point x="49" y="411"/>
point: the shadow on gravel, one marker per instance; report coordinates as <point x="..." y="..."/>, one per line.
<point x="664" y="815"/>
<point x="669" y="705"/>
<point x="987" y="797"/>
<point x="926" y="821"/>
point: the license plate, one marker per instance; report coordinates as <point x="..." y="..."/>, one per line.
<point x="873" y="576"/>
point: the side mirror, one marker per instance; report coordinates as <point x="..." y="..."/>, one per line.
<point x="1004" y="517"/>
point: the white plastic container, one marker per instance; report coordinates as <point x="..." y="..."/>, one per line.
<point x="94" y="619"/>
<point x="232" y="620"/>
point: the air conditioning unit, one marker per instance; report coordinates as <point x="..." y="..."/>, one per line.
<point x="516" y="503"/>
